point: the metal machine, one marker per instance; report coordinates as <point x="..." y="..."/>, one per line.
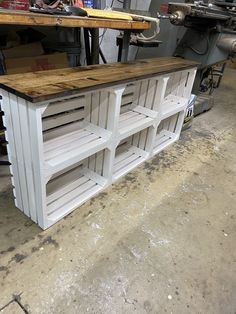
<point x="210" y="35"/>
<point x="201" y="31"/>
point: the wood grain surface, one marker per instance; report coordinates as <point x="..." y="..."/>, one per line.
<point x="11" y="17"/>
<point x="46" y="85"/>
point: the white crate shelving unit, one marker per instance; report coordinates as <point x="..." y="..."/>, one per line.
<point x="176" y="98"/>
<point x="66" y="150"/>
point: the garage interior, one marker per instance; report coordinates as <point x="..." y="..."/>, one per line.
<point x="161" y="239"/>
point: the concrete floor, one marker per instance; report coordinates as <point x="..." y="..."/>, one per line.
<point x="162" y="240"/>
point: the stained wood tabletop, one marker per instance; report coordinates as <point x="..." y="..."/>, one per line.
<point x="47" y="85"/>
<point x="11" y="17"/>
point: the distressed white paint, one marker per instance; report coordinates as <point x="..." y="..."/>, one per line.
<point x="64" y="152"/>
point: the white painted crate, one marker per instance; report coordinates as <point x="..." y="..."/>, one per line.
<point x="168" y="131"/>
<point x="140" y="105"/>
<point x="178" y="91"/>
<point x="132" y="151"/>
<point x="67" y="150"/>
<point x="73" y="186"/>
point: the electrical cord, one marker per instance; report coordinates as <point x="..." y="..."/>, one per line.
<point x="142" y="37"/>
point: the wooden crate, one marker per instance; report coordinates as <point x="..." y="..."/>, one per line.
<point x="131" y="152"/>
<point x="66" y="149"/>
<point x="168" y="131"/>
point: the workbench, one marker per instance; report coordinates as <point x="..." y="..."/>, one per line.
<point x="11" y="17"/>
<point x="73" y="132"/>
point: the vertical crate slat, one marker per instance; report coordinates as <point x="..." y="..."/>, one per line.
<point x="17" y="133"/>
<point x="25" y="134"/>
<point x="38" y="213"/>
<point x="11" y="148"/>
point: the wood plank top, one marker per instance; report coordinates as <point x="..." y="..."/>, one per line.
<point x="11" y="17"/>
<point x="47" y="85"/>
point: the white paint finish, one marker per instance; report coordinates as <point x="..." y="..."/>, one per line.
<point x="38" y="214"/>
<point x="11" y="148"/>
<point x="147" y="112"/>
<point x="126" y="161"/>
<point x="17" y="133"/>
<point x="172" y="105"/>
<point x="134" y="125"/>
<point x="66" y="151"/>
<point x="27" y="154"/>
<point x="60" y="106"/>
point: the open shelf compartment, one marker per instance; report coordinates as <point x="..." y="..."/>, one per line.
<point x="138" y="107"/>
<point x="173" y="104"/>
<point x="73" y="186"/>
<point x="168" y="131"/>
<point x="73" y="129"/>
<point x="131" y="152"/>
<point x="177" y="93"/>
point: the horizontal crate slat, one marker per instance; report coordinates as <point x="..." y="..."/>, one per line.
<point x="65" y="105"/>
<point x="125" y="162"/>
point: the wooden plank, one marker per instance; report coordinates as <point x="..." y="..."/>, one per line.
<point x="94" y="176"/>
<point x="63" y="118"/>
<point x="64" y="184"/>
<point x="73" y="204"/>
<point x="127" y="99"/>
<point x="135" y="139"/>
<point x="60" y="162"/>
<point x="65" y="105"/>
<point x="11" y="147"/>
<point x="143" y="93"/>
<point x="163" y="140"/>
<point x="38" y="213"/>
<point x="125" y="162"/>
<point x="182" y="82"/>
<point x="152" y="85"/>
<point x="189" y="83"/>
<point x="102" y="123"/>
<point x="145" y="111"/>
<point x="179" y="123"/>
<point x="103" y="109"/>
<point x="60" y="131"/>
<point x="67" y="75"/>
<point x="115" y="97"/>
<point x="130" y="119"/>
<point x="127" y="115"/>
<point x="64" y="140"/>
<point x="46" y="85"/>
<point x="129" y="89"/>
<point x="172" y="105"/>
<point x="108" y="14"/>
<point x="27" y="153"/>
<point x="11" y="17"/>
<point x="143" y="139"/>
<point x="17" y="131"/>
<point x="135" y="126"/>
<point x="94" y="114"/>
<point x="126" y="165"/>
<point x="94" y="119"/>
<point x="69" y="146"/>
<point x="122" y="155"/>
<point x="161" y="87"/>
<point x="68" y="197"/>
